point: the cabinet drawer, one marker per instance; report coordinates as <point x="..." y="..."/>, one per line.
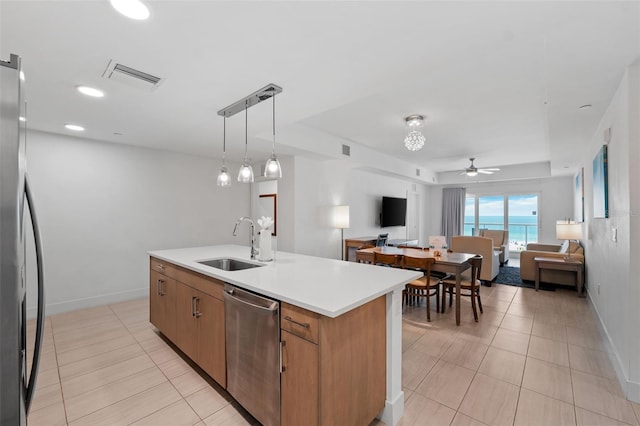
<point x="205" y="284"/>
<point x="161" y="266"/>
<point x="299" y="322"/>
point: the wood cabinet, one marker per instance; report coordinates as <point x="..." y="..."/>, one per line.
<point x="192" y="317"/>
<point x="162" y="303"/>
<point x="334" y="369"/>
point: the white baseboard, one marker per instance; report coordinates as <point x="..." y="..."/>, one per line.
<point x="393" y="410"/>
<point x="631" y="389"/>
<point x="89" y="302"/>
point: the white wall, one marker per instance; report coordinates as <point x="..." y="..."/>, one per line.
<point x="102" y="206"/>
<point x="611" y="266"/>
<point x="555" y="201"/>
<point x="307" y="194"/>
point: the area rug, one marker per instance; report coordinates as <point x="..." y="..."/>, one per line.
<point x="510" y="275"/>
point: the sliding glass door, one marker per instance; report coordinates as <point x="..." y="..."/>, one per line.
<point x="518" y="213"/>
<point x="522" y="221"/>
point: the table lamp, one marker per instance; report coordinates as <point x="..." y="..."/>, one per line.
<point x="568" y="230"/>
<point x="341" y="221"/>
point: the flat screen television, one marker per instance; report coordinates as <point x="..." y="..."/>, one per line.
<point x="394" y="212"/>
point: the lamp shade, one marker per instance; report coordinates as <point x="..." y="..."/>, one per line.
<point x="341" y="217"/>
<point x="568" y="230"/>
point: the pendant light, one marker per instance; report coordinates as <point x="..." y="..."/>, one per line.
<point x="245" y="175"/>
<point x="223" y="178"/>
<point x="272" y="168"/>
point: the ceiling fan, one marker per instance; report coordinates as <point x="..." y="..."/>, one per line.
<point x="472" y="170"/>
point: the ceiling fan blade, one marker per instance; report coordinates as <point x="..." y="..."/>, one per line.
<point x="494" y="169"/>
<point x="463" y="173"/>
<point x="485" y="171"/>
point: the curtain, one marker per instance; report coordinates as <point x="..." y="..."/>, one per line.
<point x="453" y="201"/>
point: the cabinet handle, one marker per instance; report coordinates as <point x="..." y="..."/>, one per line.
<point x="160" y="286"/>
<point x="301" y="324"/>
<point x="160" y="266"/>
<point x="195" y="301"/>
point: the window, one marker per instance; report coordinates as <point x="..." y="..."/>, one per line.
<point x="518" y="213"/>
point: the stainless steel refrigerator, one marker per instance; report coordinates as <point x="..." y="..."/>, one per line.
<point x="16" y="385"/>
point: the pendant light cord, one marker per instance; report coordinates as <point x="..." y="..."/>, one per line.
<point x="273" y="149"/>
<point x="246" y="127"/>
<point x="224" y="140"/>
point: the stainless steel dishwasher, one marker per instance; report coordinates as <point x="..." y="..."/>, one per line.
<point x="253" y="353"/>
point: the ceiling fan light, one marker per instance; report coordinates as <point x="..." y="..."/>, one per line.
<point x="472" y="173"/>
<point x="414" y="141"/>
<point x="272" y="168"/>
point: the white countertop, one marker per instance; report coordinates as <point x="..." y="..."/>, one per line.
<point x="327" y="286"/>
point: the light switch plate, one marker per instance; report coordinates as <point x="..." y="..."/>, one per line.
<point x="614" y="235"/>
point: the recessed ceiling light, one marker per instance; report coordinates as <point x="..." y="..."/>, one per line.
<point x="585" y="106"/>
<point x="90" y="91"/>
<point x="21" y="118"/>
<point x="74" y="127"/>
<point x="133" y="9"/>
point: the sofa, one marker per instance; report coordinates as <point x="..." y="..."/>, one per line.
<point x="500" y="240"/>
<point x="528" y="265"/>
<point x="484" y="247"/>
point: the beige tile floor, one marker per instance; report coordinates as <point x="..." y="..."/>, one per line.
<point x="532" y="359"/>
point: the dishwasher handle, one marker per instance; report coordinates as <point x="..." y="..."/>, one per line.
<point x="239" y="296"/>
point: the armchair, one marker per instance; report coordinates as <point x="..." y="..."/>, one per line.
<point x="528" y="265"/>
<point x="484" y="247"/>
<point x="500" y="240"/>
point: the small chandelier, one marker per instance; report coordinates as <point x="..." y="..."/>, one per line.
<point x="223" y="177"/>
<point x="415" y="139"/>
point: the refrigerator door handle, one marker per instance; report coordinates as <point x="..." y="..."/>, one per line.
<point x="31" y="386"/>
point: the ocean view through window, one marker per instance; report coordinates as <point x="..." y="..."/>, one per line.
<point x="516" y="213"/>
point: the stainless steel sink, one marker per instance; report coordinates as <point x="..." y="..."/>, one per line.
<point x="228" y="264"/>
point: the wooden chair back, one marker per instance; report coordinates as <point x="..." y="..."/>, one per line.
<point x="421" y="263"/>
<point x="476" y="268"/>
<point x="386" y="259"/>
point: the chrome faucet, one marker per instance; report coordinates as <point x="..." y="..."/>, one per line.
<point x="254" y="251"/>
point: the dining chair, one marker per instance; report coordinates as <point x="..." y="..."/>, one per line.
<point x="426" y="286"/>
<point x="386" y="259"/>
<point x="469" y="286"/>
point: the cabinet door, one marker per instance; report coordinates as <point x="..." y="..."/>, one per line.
<point x="210" y="353"/>
<point x="162" y="303"/>
<point x="299" y="381"/>
<point x="185" y="320"/>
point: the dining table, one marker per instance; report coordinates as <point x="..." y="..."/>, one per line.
<point x="445" y="261"/>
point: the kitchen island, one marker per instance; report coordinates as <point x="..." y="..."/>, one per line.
<point x="330" y="299"/>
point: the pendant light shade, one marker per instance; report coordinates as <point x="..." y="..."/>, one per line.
<point x="272" y="168"/>
<point x="245" y="175"/>
<point x="223" y="176"/>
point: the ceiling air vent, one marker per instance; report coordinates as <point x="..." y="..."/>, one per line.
<point x="346" y="150"/>
<point x="131" y="76"/>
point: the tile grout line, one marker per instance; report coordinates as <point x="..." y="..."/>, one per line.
<point x="55" y="351"/>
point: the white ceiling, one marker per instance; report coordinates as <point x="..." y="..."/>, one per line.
<point x="500" y="81"/>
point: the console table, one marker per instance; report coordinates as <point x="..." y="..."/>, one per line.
<point x="356" y="243"/>
<point x="560" y="264"/>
